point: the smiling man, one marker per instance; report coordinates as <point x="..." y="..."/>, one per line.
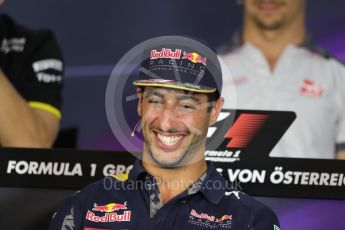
<point x="275" y="66"/>
<point x="171" y="186"/>
<point x="179" y="131"/>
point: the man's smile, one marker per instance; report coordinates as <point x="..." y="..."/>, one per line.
<point x="168" y="141"/>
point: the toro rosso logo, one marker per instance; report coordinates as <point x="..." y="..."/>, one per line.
<point x="110" y="213"/>
<point x="311" y="88"/>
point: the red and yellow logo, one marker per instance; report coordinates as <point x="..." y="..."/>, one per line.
<point x="194" y="57"/>
<point x="109" y="207"/>
<point x="224" y="217"/>
<point x="110" y="214"/>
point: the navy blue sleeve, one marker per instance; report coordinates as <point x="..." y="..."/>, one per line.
<point x="265" y="219"/>
<point x="262" y="217"/>
<point x="67" y="215"/>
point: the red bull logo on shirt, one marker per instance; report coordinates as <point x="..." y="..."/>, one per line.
<point x="224" y="217"/>
<point x="194" y="57"/>
<point x="110" y="213"/>
<point x="109" y="217"/>
<point x="109" y="207"/>
<point x="210" y="221"/>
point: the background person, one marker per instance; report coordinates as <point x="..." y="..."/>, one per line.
<point x="276" y="67"/>
<point x="31" y="70"/>
<point x="181" y="190"/>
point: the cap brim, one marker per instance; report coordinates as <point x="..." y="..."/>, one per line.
<point x="174" y="85"/>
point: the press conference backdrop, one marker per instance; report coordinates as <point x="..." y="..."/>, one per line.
<point x="34" y="181"/>
<point x="95" y="34"/>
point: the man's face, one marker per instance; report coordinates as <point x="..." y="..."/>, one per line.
<point x="273" y="14"/>
<point x="174" y="125"/>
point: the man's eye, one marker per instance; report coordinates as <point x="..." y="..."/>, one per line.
<point x="187" y="107"/>
<point x="154" y="102"/>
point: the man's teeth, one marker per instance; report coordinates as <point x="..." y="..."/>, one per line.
<point x="169" y="140"/>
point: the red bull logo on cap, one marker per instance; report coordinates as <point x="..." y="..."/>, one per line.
<point x="194" y="57"/>
<point x="109" y="207"/>
<point x="166" y="53"/>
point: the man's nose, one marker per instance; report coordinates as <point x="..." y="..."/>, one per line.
<point x="168" y="119"/>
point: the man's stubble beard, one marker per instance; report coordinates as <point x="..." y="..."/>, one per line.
<point x="275" y="25"/>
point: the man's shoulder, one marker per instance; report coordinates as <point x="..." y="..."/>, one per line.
<point x="245" y="200"/>
<point x="260" y="216"/>
<point x="27" y="43"/>
<point x="24" y="46"/>
<point x="257" y="211"/>
<point x="325" y="61"/>
<point x="13" y="29"/>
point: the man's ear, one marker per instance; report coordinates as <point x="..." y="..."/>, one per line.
<point x="140" y="99"/>
<point x="215" y="111"/>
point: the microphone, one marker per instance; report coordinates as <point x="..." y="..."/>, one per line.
<point x="135" y="127"/>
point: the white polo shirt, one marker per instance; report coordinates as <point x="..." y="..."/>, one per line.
<point x="303" y="81"/>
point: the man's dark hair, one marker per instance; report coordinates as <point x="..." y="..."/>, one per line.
<point x="212" y="97"/>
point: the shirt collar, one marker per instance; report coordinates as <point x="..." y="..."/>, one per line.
<point x="213" y="184"/>
<point x="137" y="171"/>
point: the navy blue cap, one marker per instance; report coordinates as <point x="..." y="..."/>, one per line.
<point x="181" y="63"/>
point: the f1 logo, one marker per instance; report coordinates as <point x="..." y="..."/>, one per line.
<point x="244" y="129"/>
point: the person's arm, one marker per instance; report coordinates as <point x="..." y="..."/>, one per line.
<point x="22" y="125"/>
<point x="341" y="155"/>
<point x="265" y="219"/>
<point x="68" y="215"/>
<point x="339" y="70"/>
<point x="261" y="216"/>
